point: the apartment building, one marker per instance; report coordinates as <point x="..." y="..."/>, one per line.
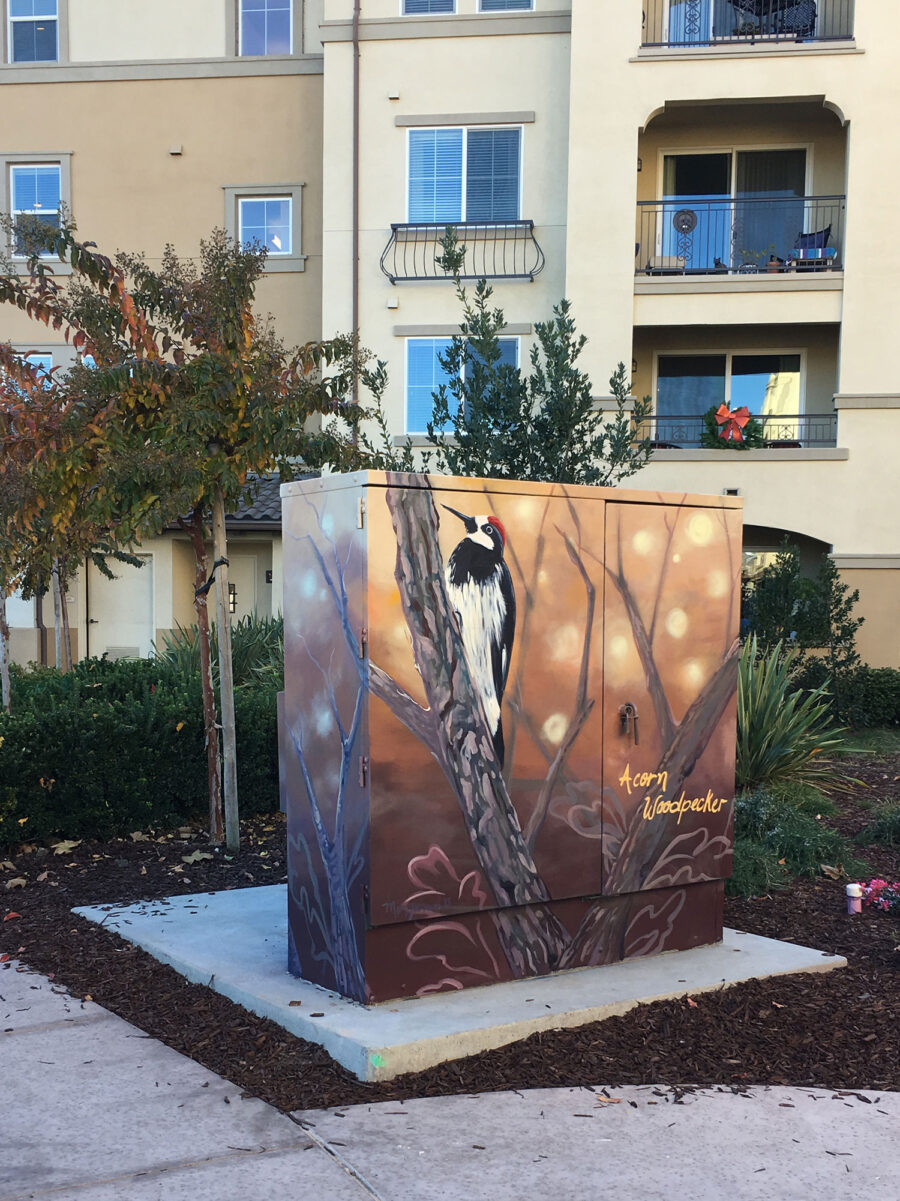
<point x="708" y="181"/>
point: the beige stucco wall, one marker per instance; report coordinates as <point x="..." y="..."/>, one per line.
<point x="878" y="640"/>
<point x="503" y="76"/>
<point x="128" y="191"/>
<point x="111" y="30"/>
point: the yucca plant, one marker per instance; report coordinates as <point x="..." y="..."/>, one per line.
<point x="257" y="648"/>
<point x="784" y="736"/>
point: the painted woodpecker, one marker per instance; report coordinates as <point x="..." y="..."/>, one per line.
<point x="480" y="589"/>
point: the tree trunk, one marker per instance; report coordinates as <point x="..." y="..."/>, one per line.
<point x="194" y="528"/>
<point x="5" y="694"/>
<point x="64" y="616"/>
<point x="59" y="662"/>
<point x="226" y="675"/>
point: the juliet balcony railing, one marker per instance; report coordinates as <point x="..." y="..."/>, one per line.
<point x="697" y="23"/>
<point x="494" y="250"/>
<point x="782" y="431"/>
<point x="712" y="236"/>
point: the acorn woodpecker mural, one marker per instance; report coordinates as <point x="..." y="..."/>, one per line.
<point x="481" y="590"/>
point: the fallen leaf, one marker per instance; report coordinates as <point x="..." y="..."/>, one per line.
<point x="139" y="836"/>
<point x="7" y="866"/>
<point x="610" y="1100"/>
<point x="693" y="1004"/>
<point x="18" y="882"/>
<point x="179" y="868"/>
<point x="777" y="1005"/>
<point x="9" y="917"/>
<point x="65" y="847"/>
<point x="196" y="856"/>
<point x="143" y="871"/>
<point x="42" y="877"/>
<point x="88" y="997"/>
<point x="833" y="873"/>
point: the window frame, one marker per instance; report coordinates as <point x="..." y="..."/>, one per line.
<point x="445" y="338"/>
<point x="405" y="13"/>
<point x="525" y="7"/>
<point x="465" y="130"/>
<point x="233" y="31"/>
<point x="729" y="354"/>
<point x="55" y="158"/>
<point x="296" y="260"/>
<point x="62" y="39"/>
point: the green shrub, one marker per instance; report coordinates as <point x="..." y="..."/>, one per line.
<point x="884" y="830"/>
<point x="115" y="746"/>
<point x="865" y="697"/>
<point x="782" y="735"/>
<point x="775" y="839"/>
<point x="257" y="647"/>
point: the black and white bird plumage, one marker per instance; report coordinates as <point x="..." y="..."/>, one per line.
<point x="481" y="591"/>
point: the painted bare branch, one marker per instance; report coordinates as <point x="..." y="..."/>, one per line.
<point x="583" y="703"/>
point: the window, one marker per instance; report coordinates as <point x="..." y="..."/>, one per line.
<point x="424" y="375"/>
<point x="266" y="220"/>
<point x="265" y="27"/>
<point x="268" y="215"/>
<point x="464" y="174"/>
<point x="689" y="385"/>
<point x="411" y="7"/>
<point x="33" y="31"/>
<point x="35" y="191"/>
<point x="503" y="6"/>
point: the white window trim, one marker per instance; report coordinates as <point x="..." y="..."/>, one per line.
<point x="464" y="130"/>
<point x="62" y="38"/>
<point x="54" y="158"/>
<point x="296" y="260"/>
<point x="440" y="338"/>
<point x="233" y="31"/>
<point x="729" y="355"/>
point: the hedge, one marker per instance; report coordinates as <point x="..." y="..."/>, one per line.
<point x="113" y="747"/>
<point x="863" y="697"/>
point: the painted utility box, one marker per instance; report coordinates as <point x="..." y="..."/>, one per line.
<point x="508" y="727"/>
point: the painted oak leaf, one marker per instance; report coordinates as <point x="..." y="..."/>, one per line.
<point x="441" y="887"/>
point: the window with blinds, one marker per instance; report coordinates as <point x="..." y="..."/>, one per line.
<point x="36" y="196"/>
<point x="413" y="7"/>
<point x="424" y="375"/>
<point x="464" y="174"/>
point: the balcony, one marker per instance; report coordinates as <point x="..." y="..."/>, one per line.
<point x="494" y="250"/>
<point x="720" y="236"/>
<point x="781" y="431"/>
<point x="683" y="24"/>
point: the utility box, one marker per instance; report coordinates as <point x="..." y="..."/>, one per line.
<point x="508" y="727"/>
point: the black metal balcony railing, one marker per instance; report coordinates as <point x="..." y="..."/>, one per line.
<point x="744" y="236"/>
<point x="681" y="23"/>
<point x="494" y="250"/>
<point x="779" y="431"/>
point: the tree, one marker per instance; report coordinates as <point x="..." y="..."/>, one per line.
<point x="495" y="421"/>
<point x="185" y="375"/>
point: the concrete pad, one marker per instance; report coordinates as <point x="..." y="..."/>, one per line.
<point x="775" y="1144"/>
<point x="28" y="1001"/>
<point x="236" y="942"/>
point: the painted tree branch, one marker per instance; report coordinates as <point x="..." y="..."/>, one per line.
<point x="583" y="703"/>
<point x="464" y="746"/>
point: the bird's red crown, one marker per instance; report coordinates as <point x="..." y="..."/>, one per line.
<point x="498" y="526"/>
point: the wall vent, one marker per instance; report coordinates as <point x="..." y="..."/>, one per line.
<point x="123" y="652"/>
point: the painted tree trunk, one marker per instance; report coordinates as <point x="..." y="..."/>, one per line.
<point x="226" y="675"/>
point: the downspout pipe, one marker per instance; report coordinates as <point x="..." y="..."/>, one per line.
<point x="355" y="204"/>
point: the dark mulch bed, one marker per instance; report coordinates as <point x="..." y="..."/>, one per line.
<point x="839" y="1030"/>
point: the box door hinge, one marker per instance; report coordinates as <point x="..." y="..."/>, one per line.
<point x="363" y="770"/>
<point x="363" y="642"/>
<point x="361" y="513"/>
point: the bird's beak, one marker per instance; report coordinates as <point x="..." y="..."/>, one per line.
<point x="469" y="522"/>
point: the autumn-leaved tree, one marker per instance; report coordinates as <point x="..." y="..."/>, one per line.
<point x="181" y="376"/>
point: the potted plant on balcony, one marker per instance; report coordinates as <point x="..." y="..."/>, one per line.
<point x="731" y="429"/>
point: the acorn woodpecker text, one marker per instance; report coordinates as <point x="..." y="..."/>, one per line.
<point x="481" y="591"/>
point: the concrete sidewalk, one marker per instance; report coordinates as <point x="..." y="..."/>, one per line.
<point x="95" y="1110"/>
